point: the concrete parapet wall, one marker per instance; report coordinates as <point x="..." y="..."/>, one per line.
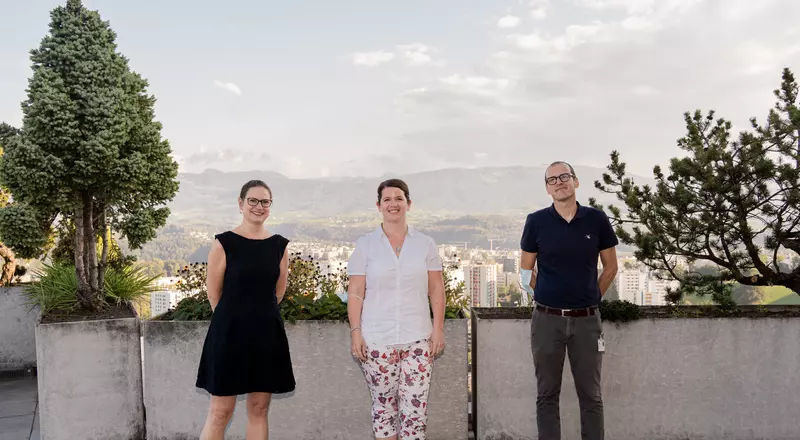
<point x="17" y="330"/>
<point x="663" y="378"/>
<point x="331" y="400"/>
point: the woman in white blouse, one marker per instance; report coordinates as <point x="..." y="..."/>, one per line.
<point x="393" y="271"/>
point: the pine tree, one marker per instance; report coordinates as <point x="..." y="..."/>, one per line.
<point x="734" y="203"/>
<point x="89" y="150"/>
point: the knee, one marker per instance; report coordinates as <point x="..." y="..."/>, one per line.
<point x="548" y="393"/>
<point x="590" y="395"/>
<point x="258" y="408"/>
<point x="220" y="415"/>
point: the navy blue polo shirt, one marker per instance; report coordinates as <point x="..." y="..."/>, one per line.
<point x="567" y="255"/>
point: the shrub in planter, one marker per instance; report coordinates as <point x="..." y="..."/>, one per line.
<point x="55" y="292"/>
<point x="310" y="295"/>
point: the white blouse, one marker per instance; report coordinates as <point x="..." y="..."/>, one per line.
<point x="396" y="308"/>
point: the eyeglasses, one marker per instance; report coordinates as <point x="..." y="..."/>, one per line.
<point x="264" y="202"/>
<point x="562" y="177"/>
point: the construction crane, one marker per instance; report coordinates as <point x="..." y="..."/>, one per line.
<point x="491" y="243"/>
<point x="460" y="242"/>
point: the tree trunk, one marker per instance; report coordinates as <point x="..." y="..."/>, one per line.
<point x="85" y="294"/>
<point x="101" y="270"/>
<point x="90" y="240"/>
<point x="9" y="265"/>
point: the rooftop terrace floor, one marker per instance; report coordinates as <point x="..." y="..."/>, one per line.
<point x="19" y="416"/>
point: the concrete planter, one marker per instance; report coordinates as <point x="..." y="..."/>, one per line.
<point x="90" y="380"/>
<point x="331" y="400"/>
<point x="663" y="378"/>
<point x="17" y="330"/>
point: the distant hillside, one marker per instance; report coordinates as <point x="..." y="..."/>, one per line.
<point x="483" y="207"/>
<point x="210" y="197"/>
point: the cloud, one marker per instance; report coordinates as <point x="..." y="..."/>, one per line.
<point x="416" y="54"/>
<point x="210" y="157"/>
<point x="508" y="22"/>
<point x="612" y="74"/>
<point x="231" y="87"/>
<point x="371" y="59"/>
<point x="539" y="9"/>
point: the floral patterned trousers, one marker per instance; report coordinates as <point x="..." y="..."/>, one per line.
<point x="399" y="377"/>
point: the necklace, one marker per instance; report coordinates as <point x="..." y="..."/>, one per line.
<point x="397" y="248"/>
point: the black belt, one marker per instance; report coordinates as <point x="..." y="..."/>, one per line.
<point x="589" y="311"/>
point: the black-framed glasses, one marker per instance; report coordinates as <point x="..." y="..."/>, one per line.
<point x="264" y="202"/>
<point x="552" y="180"/>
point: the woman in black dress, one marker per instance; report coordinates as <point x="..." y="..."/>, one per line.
<point x="246" y="350"/>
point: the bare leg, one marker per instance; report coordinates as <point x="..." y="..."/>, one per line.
<point x="220" y="411"/>
<point x="257" y="408"/>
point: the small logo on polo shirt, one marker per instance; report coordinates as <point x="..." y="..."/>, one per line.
<point x="588" y="236"/>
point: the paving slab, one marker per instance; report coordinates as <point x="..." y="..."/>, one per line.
<point x="18" y="409"/>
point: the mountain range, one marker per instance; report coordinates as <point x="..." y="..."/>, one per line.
<point x="211" y="196"/>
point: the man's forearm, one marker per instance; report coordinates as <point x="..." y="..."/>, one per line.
<point x="605" y="280"/>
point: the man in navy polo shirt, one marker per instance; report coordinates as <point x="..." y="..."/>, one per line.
<point x="564" y="242"/>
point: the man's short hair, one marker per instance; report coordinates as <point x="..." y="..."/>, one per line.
<point x="560" y="162"/>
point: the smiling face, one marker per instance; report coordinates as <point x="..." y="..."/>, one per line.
<point x="255" y="205"/>
<point x="393" y="204"/>
<point x="561" y="182"/>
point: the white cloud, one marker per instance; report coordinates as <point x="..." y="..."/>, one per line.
<point x="554" y="89"/>
<point x="476" y="83"/>
<point x="508" y="22"/>
<point x="416" y="54"/>
<point x="539" y="13"/>
<point x="371" y="59"/>
<point x="229" y="86"/>
<point x="539" y="9"/>
<point x="573" y="36"/>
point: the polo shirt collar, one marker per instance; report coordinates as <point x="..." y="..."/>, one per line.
<point x="578" y="214"/>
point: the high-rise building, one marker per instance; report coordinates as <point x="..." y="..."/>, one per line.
<point x="164" y="300"/>
<point x="480" y="282"/>
<point x="631" y="285"/>
<point x="656" y="291"/>
<point x="510" y="264"/>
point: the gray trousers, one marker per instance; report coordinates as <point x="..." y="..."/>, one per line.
<point x="552" y="336"/>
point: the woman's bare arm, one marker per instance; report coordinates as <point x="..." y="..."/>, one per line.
<point x="215" y="271"/>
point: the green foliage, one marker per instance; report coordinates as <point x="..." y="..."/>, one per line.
<point x="305" y="308"/>
<point x="195" y="307"/>
<point x="192" y="308"/>
<point x="128" y="284"/>
<point x="309" y="294"/>
<point x="456" y="302"/>
<point x="731" y="202"/>
<point x="64" y="250"/>
<point x="89" y="149"/>
<point x="305" y="283"/>
<point x="55" y="290"/>
<point x="619" y="311"/>
<point x="57" y="287"/>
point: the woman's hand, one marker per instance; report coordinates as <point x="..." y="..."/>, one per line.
<point x="437" y="342"/>
<point x="358" y="347"/>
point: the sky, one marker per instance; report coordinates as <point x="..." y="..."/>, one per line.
<point x="319" y="88"/>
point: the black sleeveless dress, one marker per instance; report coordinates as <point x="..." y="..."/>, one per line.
<point x="246" y="349"/>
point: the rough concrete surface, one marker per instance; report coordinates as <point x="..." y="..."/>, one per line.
<point x="331" y="401"/>
<point x="663" y="379"/>
<point x="90" y="380"/>
<point x="17" y="330"/>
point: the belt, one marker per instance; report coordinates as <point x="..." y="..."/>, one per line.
<point x="589" y="311"/>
